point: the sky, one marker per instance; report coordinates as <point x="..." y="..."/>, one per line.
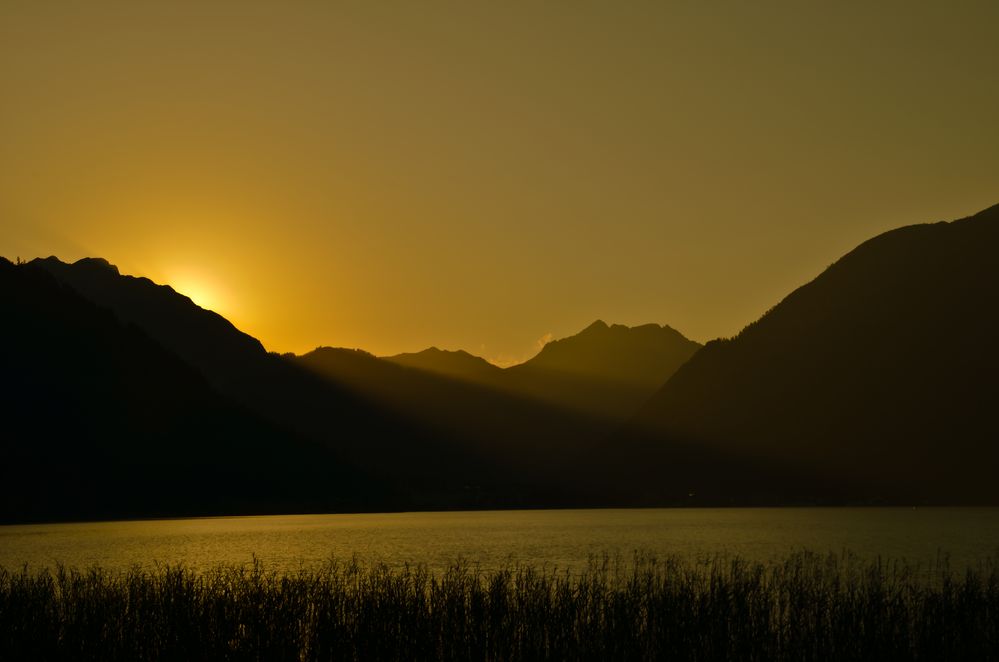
<point x="482" y="176"/>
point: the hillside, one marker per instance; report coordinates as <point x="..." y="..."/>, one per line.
<point x="874" y="383"/>
<point x="605" y="370"/>
<point x="407" y="464"/>
<point x="421" y="439"/>
<point x="101" y="421"/>
<point x="455" y="364"/>
<point x="500" y="442"/>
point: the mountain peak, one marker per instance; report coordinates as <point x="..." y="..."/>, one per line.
<point x="457" y="363"/>
<point x="599" y="347"/>
<point x="200" y="337"/>
<point x="604" y="369"/>
<point x="878" y="372"/>
<point x="97" y="264"/>
<point x="87" y="264"/>
<point x="598" y="325"/>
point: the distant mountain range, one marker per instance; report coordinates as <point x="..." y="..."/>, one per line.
<point x="455" y="364"/>
<point x="874" y="383"/>
<point x="379" y="434"/>
<point x="606" y="371"/>
<point x="394" y="460"/>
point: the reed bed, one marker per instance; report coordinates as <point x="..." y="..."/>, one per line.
<point x="804" y="607"/>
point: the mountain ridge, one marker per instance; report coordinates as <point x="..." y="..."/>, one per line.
<point x="608" y="369"/>
<point x="872" y="383"/>
<point x="101" y="421"/>
<point x="454" y="363"/>
<point x="446" y="452"/>
<point x="875" y="372"/>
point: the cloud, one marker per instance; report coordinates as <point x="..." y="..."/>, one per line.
<point x="544" y="340"/>
<point x="507" y="360"/>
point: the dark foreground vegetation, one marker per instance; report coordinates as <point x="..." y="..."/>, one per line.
<point x="806" y="607"/>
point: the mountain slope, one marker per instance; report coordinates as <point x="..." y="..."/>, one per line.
<point x="498" y="441"/>
<point x="876" y="381"/>
<point x="101" y="421"/>
<point x="201" y="337"/>
<point x="537" y="424"/>
<point x="607" y="370"/>
<point x="456" y="364"/>
<point x="604" y="371"/>
<point x="428" y="440"/>
<point x="401" y="456"/>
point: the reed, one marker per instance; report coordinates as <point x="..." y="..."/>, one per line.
<point x="804" y="607"/>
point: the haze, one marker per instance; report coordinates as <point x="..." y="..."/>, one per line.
<point x="398" y="175"/>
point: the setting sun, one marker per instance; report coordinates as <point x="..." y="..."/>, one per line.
<point x="201" y="290"/>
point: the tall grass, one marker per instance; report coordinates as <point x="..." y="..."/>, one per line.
<point x="805" y="607"/>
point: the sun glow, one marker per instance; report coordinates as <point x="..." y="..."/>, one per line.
<point x="201" y="291"/>
<point x="211" y="286"/>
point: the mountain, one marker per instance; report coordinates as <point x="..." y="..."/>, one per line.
<point x="426" y="440"/>
<point x="606" y="370"/>
<point x="502" y="443"/>
<point x="640" y="354"/>
<point x="102" y="421"/>
<point x="875" y="382"/>
<point x="536" y="426"/>
<point x="455" y="364"/>
<point x="412" y="464"/>
<point x="201" y="337"/>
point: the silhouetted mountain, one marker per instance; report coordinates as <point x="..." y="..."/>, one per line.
<point x="606" y="370"/>
<point x="458" y="364"/>
<point x="411" y="464"/>
<point x="498" y="441"/>
<point x="874" y="382"/>
<point x="101" y="421"/>
<point x="201" y="337"/>
<point x="640" y="354"/>
<point x="452" y="451"/>
<point x="538" y="424"/>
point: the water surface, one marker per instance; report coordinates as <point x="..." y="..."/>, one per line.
<point x="565" y="538"/>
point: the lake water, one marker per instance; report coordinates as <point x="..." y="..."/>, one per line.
<point x="565" y="538"/>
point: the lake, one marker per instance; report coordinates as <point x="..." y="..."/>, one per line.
<point x="565" y="538"/>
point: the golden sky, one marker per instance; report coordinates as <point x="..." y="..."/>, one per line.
<point x="472" y="175"/>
